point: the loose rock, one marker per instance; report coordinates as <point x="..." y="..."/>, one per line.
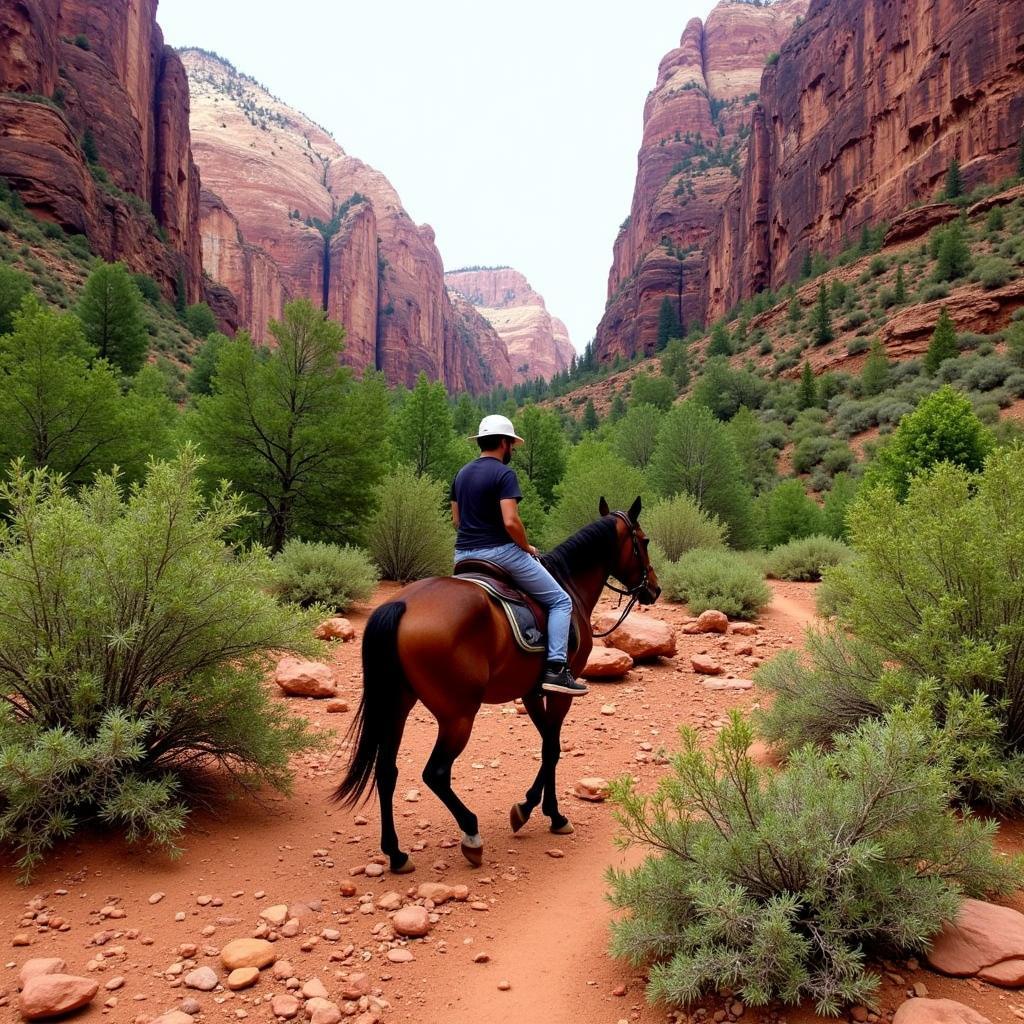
<point x="51" y="995"/>
<point x="301" y="678"/>
<point x="641" y="637"/>
<point x="607" y="663"/>
<point x="705" y="665"/>
<point x="202" y="978"/>
<point x="592" y="788"/>
<point x="937" y="1011"/>
<point x="285" y="1005"/>
<point x="711" y="621"/>
<point x="247" y="953"/>
<point x="335" y="628"/>
<point x="243" y="977"/>
<point x="984" y="936"/>
<point x="39" y="966"/>
<point x="413" y="922"/>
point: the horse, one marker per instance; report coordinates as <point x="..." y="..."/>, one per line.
<point x="447" y="643"/>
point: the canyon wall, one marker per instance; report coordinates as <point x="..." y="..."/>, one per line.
<point x="94" y="132"/>
<point x="860" y="118"/>
<point x="538" y="344"/>
<point x="290" y="214"/>
<point x="695" y="130"/>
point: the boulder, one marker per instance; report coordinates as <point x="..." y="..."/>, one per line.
<point x="247" y="953"/>
<point x="640" y="636"/>
<point x="983" y="936"/>
<point x="607" y="663"/>
<point x="592" y="788"/>
<point x="710" y="621"/>
<point x="705" y="665"/>
<point x="335" y="628"/>
<point x="413" y="922"/>
<point x="38" y="966"/>
<point x="937" y="1011"/>
<point x="301" y="678"/>
<point x="52" y="995"/>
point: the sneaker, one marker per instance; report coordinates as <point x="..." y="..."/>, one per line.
<point x="560" y="680"/>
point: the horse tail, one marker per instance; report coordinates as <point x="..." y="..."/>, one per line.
<point x="382" y="678"/>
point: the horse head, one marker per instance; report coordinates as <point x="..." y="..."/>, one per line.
<point x="632" y="564"/>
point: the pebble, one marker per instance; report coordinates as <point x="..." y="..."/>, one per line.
<point x="607" y="709"/>
<point x="373" y="870"/>
<point x="411" y="921"/>
<point x="202" y="978"/>
<point x="314" y="989"/>
<point x="157" y="897"/>
<point x="247" y="953"/>
<point x="191" y="1005"/>
<point x="504" y="986"/>
<point x="243" y="977"/>
<point x="556" y="854"/>
<point x="336" y="706"/>
<point x="275" y="916"/>
<point x="114" y="984"/>
<point x="412" y="796"/>
<point x="619" y="990"/>
<point x="400" y="955"/>
<point x="285" y="1005"/>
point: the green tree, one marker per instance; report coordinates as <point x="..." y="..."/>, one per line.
<point x="753" y="446"/>
<point x="421" y="430"/>
<point x="111" y="313"/>
<point x="808" y="388"/>
<point x="14" y="286"/>
<point x="618" y="408"/>
<point x="292" y="431"/>
<point x="838" y="502"/>
<point x="669" y="324"/>
<point x="675" y="363"/>
<point x="695" y="454"/>
<point x="951" y="253"/>
<point x="807" y="264"/>
<point x="647" y="389"/>
<point x="590" y="421"/>
<point x="954" y="181"/>
<point x="943" y="428"/>
<point x="199" y="319"/>
<point x="996" y="219"/>
<point x="900" y="290"/>
<point x="723" y="390"/>
<point x="719" y="343"/>
<point x="204" y="365"/>
<point x="795" y="313"/>
<point x="786" y="513"/>
<point x="465" y="416"/>
<point x="874" y="376"/>
<point x="821" y="319"/>
<point x="541" y="456"/>
<point x="635" y="437"/>
<point x="943" y="343"/>
<point x="1015" y="343"/>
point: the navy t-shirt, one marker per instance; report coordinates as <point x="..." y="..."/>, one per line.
<point x="478" y="489"/>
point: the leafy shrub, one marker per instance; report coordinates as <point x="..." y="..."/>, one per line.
<point x="932" y="292"/>
<point x="838" y="458"/>
<point x="307" y="573"/>
<point x="986" y="373"/>
<point x="133" y="645"/>
<point x="409" y="535"/>
<point x="775" y="884"/>
<point x="805" y="558"/>
<point x="725" y="580"/>
<point x="679" y="524"/>
<point x="992" y="271"/>
<point x="787" y="513"/>
<point x="199" y="319"/>
<point x="857" y="345"/>
<point x="14" y="286"/>
<point x="809" y="452"/>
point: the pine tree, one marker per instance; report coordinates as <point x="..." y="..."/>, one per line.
<point x="952" y="255"/>
<point x="808" y="389"/>
<point x="996" y="219"/>
<point x="821" y="321"/>
<point x="954" y="181"/>
<point x="807" y="265"/>
<point x="669" y="324"/>
<point x="422" y="433"/>
<point x="943" y="343"/>
<point x="875" y="374"/>
<point x="618" y="409"/>
<point x="111" y="313"/>
<point x="675" y="363"/>
<point x="719" y="344"/>
<point x="900" y="292"/>
<point x="796" y="311"/>
<point x="590" y="420"/>
<point x="865" y="240"/>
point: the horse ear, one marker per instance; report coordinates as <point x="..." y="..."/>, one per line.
<point x="634" y="511"/>
<point x="602" y="506"/>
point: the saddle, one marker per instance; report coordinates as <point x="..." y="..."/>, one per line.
<point x="527" y="618"/>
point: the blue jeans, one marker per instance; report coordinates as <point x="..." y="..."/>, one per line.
<point x="538" y="582"/>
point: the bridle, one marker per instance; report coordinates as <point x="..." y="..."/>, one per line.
<point x="633" y="593"/>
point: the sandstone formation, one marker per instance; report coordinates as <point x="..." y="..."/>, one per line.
<point x="77" y="75"/>
<point x="606" y="663"/>
<point x="642" y="637"/>
<point x="696" y="124"/>
<point x="538" y="344"/>
<point x="860" y="117"/>
<point x="986" y="940"/>
<point x="937" y="1011"/>
<point x="289" y="214"/>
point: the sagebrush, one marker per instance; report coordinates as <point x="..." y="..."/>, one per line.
<point x="806" y="559"/>
<point x="336" y="576"/>
<point x="724" y="580"/>
<point x="679" y="524"/>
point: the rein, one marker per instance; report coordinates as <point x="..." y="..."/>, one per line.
<point x="633" y="593"/>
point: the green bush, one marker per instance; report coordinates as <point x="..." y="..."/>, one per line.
<point x="787" y="513"/>
<point x="777" y="885"/>
<point x="133" y="648"/>
<point x="992" y="271"/>
<point x="724" y="580"/>
<point x="307" y="573"/>
<point x="410" y="535"/>
<point x="679" y="524"/>
<point x="14" y="286"/>
<point x="199" y="319"/>
<point x="806" y="558"/>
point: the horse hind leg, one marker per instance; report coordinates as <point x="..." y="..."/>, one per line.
<point x="547" y="714"/>
<point x="452" y="737"/>
<point x="387" y="778"/>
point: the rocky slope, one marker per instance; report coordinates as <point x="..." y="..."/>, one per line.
<point x="860" y="118"/>
<point x="289" y="213"/>
<point x="538" y="343"/>
<point x="696" y="124"/>
<point x="79" y="76"/>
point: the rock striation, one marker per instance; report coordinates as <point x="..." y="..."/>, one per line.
<point x="695" y="136"/>
<point x="538" y="343"/>
<point x="289" y="214"/>
<point x="94" y="132"/>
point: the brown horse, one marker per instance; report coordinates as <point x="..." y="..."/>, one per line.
<point x="447" y="643"/>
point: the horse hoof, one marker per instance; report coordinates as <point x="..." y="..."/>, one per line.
<point x="565" y="829"/>
<point x="403" y="867"/>
<point x="518" y="816"/>
<point x="474" y="854"/>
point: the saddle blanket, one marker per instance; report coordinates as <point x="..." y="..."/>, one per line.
<point x="527" y="632"/>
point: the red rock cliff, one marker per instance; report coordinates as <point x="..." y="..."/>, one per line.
<point x="128" y="91"/>
<point x="538" y="343"/>
<point x="291" y="214"/>
<point x="696" y="122"/>
<point x="861" y="116"/>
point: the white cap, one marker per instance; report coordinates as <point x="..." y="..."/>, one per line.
<point x="501" y="425"/>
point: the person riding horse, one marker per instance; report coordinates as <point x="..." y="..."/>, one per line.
<point x="485" y="498"/>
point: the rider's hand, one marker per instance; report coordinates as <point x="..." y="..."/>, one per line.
<point x="531" y="550"/>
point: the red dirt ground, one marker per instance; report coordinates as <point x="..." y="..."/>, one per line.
<point x="545" y="926"/>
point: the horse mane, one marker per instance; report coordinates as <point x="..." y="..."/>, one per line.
<point x="578" y="552"/>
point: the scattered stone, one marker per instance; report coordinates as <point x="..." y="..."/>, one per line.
<point x="726" y="684"/>
<point x="920" y="989"/>
<point x="412" y="796"/>
<point x="859" y="1013"/>
<point x="315" y="989"/>
<point x="325" y="1013"/>
<point x="642" y="637"/>
<point x="373" y="870"/>
<point x="437" y="892"/>
<point x="504" y="986"/>
<point x="52" y="995"/>
<point x="482" y="958"/>
<point x="705" y="665"/>
<point x="275" y="916"/>
<point x="337" y="706"/>
<point x="1006" y="973"/>
<point x="413" y="922"/>
<point x="937" y="1011"/>
<point x="356" y="985"/>
<point x="711" y="621"/>
<point x="285" y="1005"/>
<point x="592" y="788"/>
<point x="291" y="928"/>
<point x="247" y="953"/>
<point x="191" y="1005"/>
<point x="555" y="854"/>
<point x="114" y="983"/>
<point x="335" y="628"/>
<point x="157" y="897"/>
<point x="202" y="978"/>
<point x="39" y="966"/>
<point x="743" y="629"/>
<point x="400" y="955"/>
<point x="608" y="709"/>
<point x="985" y="935"/>
<point x="243" y="977"/>
<point x="607" y="663"/>
<point x="619" y="990"/>
<point x="301" y="678"/>
<point x="21" y="939"/>
<point x="175" y="1017"/>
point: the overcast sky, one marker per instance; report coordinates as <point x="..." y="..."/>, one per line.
<point x="511" y="128"/>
